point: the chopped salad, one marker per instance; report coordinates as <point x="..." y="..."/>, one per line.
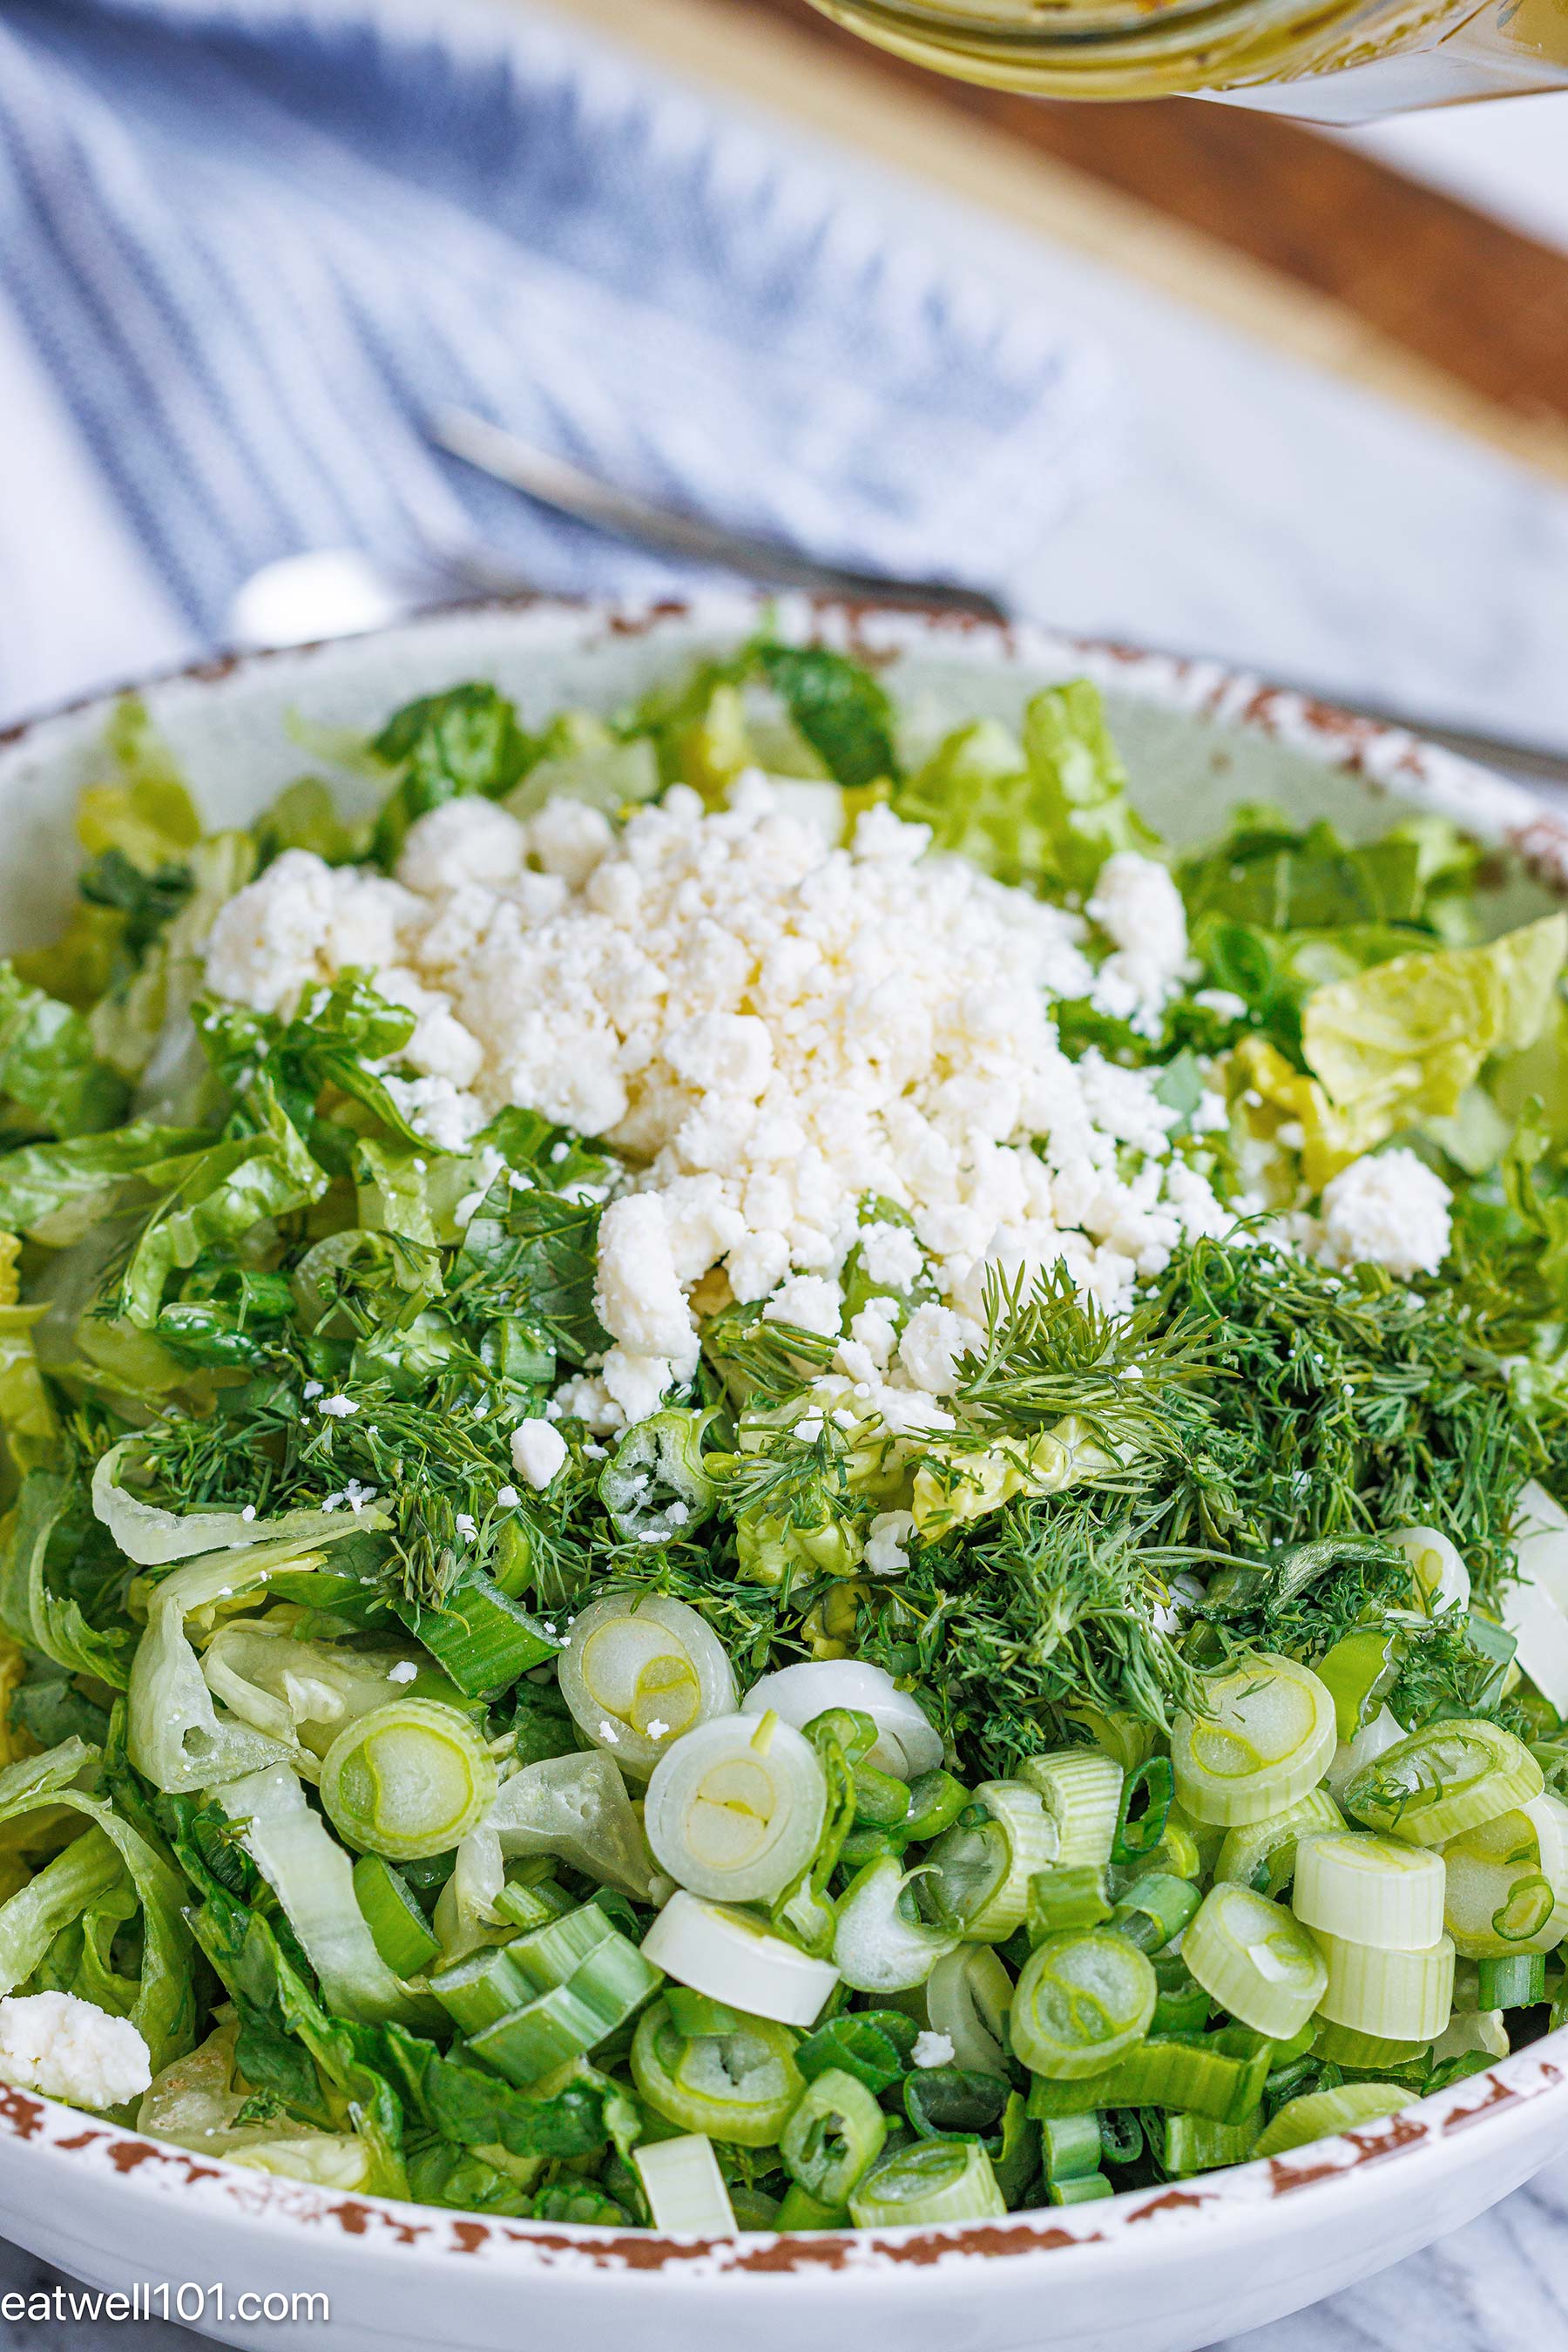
<point x="757" y="1476"/>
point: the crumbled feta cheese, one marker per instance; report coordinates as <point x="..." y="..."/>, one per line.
<point x="1388" y="1209"/>
<point x="887" y="1543"/>
<point x="434" y="1108"/>
<point x="770" y="1027"/>
<point x="810" y="1302"/>
<point x="657" y="1730"/>
<point x="248" y="1513"/>
<point x="312" y="1390"/>
<point x="891" y="1256"/>
<point x="58" y="2044"/>
<point x="403" y="1671"/>
<point x="509" y="1499"/>
<point x="933" y="1337"/>
<point x="337" y="1408"/>
<point x="932" y="2050"/>
<point x="1222" y="1002"/>
<point x="538" y="1450"/>
<point x="1139" y="908"/>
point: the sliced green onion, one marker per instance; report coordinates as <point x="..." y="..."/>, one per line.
<point x="1071" y="2147"/>
<point x="936" y="2180"/>
<point x="1445" y="1779"/>
<point x="907" y="1743"/>
<point x="1121" y="2135"/>
<point x="407" y="1779"/>
<point x="1195" y="2143"/>
<point x="398" y="1927"/>
<point x="881" y="1801"/>
<point x="1505" y="1881"/>
<point x="872" y="2044"/>
<point x="1341" y="2045"/>
<point x="834" y="2136"/>
<point x="797" y="2210"/>
<point x="477" y="1990"/>
<point x="879" y="1943"/>
<point x="641" y="1669"/>
<point x="568" y="2018"/>
<point x="1358" y="1673"/>
<point x="1176" y="1852"/>
<point x="481" y="1635"/>
<point x="1185" y="2074"/>
<point x="532" y="1903"/>
<point x="1441" y="1580"/>
<point x="948" y="2103"/>
<point x="968" y="1996"/>
<point x="684" y="2187"/>
<point x="1251" y="1957"/>
<point x="1319" y="2115"/>
<point x="1084" y="2191"/>
<point x="735" y="1807"/>
<point x="741" y="2086"/>
<point x="693" y="2013"/>
<point x="1062" y="1896"/>
<point x="1081" y="1790"/>
<point x="552" y="1953"/>
<point x="1407" y="1996"/>
<point x="1155" y="1910"/>
<point x="980" y="1870"/>
<point x="665" y="1451"/>
<point x="1269" y="1845"/>
<point x="1351" y="1755"/>
<point x="733" y="1959"/>
<point x="1517" y="1982"/>
<point x="1183" y="2006"/>
<point x="1268" y="1740"/>
<point x="1137" y="1835"/>
<point x="1080" y="2002"/>
<point x="1371" y="1890"/>
<point x="936" y="1800"/>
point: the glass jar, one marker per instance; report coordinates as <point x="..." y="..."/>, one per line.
<point x="1324" y="60"/>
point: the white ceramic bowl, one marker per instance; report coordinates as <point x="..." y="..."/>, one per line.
<point x="1160" y="2270"/>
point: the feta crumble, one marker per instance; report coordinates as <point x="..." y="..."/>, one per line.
<point x="403" y="1671"/>
<point x="932" y="2050"/>
<point x="888" y="1543"/>
<point x="1387" y="1209"/>
<point x="537" y="1451"/>
<point x="770" y="1028"/>
<point x="58" y="2044"/>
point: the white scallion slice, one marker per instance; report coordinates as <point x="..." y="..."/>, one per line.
<point x="934" y="2180"/>
<point x="735" y="1961"/>
<point x="684" y="2187"/>
<point x="1441" y="1579"/>
<point x="880" y="1944"/>
<point x="1403" y="1996"/>
<point x="641" y="1669"/>
<point x="1444" y="1779"/>
<point x="1371" y="1889"/>
<point x="968" y="1995"/>
<point x="1270" y="1844"/>
<point x="409" y="1779"/>
<point x="1081" y="1789"/>
<point x="1505" y="1879"/>
<point x="1373" y="1740"/>
<point x="1251" y="1957"/>
<point x="979" y="1872"/>
<point x="735" y="1809"/>
<point x="907" y="1743"/>
<point x="1319" y="2115"/>
<point x="1267" y="1739"/>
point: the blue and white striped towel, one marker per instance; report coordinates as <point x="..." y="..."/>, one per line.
<point x="256" y="242"/>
